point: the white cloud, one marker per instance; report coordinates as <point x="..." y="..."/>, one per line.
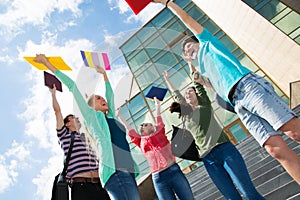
<point x="45" y="177"/>
<point x="35" y="12"/>
<point x="38" y="112"/>
<point x="144" y="16"/>
<point x="11" y="162"/>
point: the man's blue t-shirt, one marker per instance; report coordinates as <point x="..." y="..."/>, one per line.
<point x="218" y="64"/>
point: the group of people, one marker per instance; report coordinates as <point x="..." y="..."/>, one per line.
<point x="101" y="165"/>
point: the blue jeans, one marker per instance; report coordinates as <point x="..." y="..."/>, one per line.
<point x="260" y="109"/>
<point x="227" y="168"/>
<point x="171" y="181"/>
<point x="122" y="186"/>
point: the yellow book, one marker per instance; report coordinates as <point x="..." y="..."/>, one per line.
<point x="56" y="61"/>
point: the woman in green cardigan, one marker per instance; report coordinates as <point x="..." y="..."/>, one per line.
<point x="116" y="166"/>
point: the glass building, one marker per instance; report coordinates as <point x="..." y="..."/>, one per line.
<point x="156" y="47"/>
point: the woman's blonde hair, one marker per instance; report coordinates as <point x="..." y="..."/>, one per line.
<point x="91" y="144"/>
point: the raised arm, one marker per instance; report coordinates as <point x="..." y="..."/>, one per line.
<point x="56" y="108"/>
<point x="83" y="106"/>
<point x="41" y="58"/>
<point x="169" y="83"/>
<point x="125" y="123"/>
<point x="134" y="136"/>
<point x="174" y="90"/>
<point x="157" y="107"/>
<point x="109" y="94"/>
<point x="189" y="22"/>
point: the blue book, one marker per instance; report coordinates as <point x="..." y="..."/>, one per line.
<point x="157" y="92"/>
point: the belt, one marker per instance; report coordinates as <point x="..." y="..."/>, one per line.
<point x="85" y="180"/>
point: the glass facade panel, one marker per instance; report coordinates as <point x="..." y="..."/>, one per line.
<point x="174" y="31"/>
<point x="147" y="77"/>
<point x="228" y="43"/>
<point x="128" y="48"/>
<point x="162" y="18"/>
<point x="283" y="17"/>
<point x="145" y="33"/>
<point x="271" y="9"/>
<point x="139" y="59"/>
<point x="245" y="60"/>
<point x="238" y="132"/>
<point x="209" y="25"/>
<point x="289" y="23"/>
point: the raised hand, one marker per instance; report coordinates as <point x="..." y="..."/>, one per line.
<point x="53" y="90"/>
<point x="41" y="58"/>
<point x="166" y="75"/>
<point x="100" y="69"/>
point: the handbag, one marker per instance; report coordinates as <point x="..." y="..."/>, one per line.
<point x="183" y="144"/>
<point x="60" y="189"/>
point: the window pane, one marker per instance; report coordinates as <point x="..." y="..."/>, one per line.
<point x="228" y="43"/>
<point x="252" y="3"/>
<point x="289" y="23"/>
<point x="161" y="19"/>
<point x="245" y="60"/>
<point x="147" y="77"/>
<point x="146" y="32"/>
<point x="271" y="9"/>
<point x="138" y="60"/>
<point x="238" y="132"/>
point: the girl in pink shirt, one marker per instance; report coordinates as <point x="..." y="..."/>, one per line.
<point x="167" y="176"/>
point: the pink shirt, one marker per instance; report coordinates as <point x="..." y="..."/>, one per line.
<point x="155" y="147"/>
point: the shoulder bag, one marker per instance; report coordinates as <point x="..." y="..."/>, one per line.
<point x="183" y="144"/>
<point x="60" y="189"/>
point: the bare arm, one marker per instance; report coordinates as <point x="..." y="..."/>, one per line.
<point x="100" y="70"/>
<point x="189" y="22"/>
<point x="56" y="108"/>
<point x="170" y="85"/>
<point x="157" y="107"/>
<point x="125" y="123"/>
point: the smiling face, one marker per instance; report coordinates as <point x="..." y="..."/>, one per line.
<point x="191" y="49"/>
<point x="147" y="128"/>
<point x="98" y="103"/>
<point x="191" y="97"/>
<point x="72" y="123"/>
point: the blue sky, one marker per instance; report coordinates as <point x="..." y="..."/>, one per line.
<point x="30" y="156"/>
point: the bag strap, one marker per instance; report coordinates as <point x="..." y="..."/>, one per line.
<point x="66" y="162"/>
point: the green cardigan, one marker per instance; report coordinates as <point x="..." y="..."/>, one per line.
<point x="202" y="123"/>
<point x="97" y="125"/>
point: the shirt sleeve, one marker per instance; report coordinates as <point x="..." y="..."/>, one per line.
<point x="178" y="96"/>
<point x="85" y="109"/>
<point x="135" y="137"/>
<point x="62" y="132"/>
<point x="201" y="94"/>
<point x="159" y="122"/>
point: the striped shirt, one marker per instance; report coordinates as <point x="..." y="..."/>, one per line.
<point x="83" y="158"/>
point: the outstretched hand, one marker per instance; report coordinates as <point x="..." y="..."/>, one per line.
<point x="186" y="58"/>
<point x="166" y="75"/>
<point x="156" y="101"/>
<point x="53" y="90"/>
<point x="100" y="69"/>
<point x="41" y="58"/>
